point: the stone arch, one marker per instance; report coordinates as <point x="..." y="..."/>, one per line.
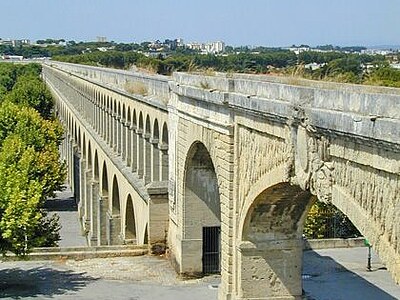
<point x="104" y="180"/>
<point x="96" y="166"/>
<point x="164" y="153"/>
<point x="128" y="137"/>
<point x="118" y="130"/>
<point x="134" y="143"/>
<point x="146" y="236"/>
<point x="89" y="156"/>
<point x="75" y="131"/>
<point x="156" y="152"/>
<point x="128" y="114"/>
<point x="201" y="211"/>
<point x="83" y="146"/>
<point x="78" y="141"/>
<point x="140" y="150"/>
<point x="130" y="221"/>
<point x="134" y="119"/>
<point x="108" y="107"/>
<point x="147" y="150"/>
<point x="270" y="242"/>
<point x="115" y="203"/>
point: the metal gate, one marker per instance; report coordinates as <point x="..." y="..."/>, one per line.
<point x="211" y="249"/>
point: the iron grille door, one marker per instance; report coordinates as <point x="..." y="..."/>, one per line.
<point x="211" y="249"/>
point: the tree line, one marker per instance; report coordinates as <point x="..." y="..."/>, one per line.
<point x="30" y="167"/>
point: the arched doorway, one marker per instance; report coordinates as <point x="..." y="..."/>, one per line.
<point x="271" y="247"/>
<point x="202" y="213"/>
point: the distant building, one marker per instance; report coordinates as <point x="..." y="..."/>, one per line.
<point x="377" y="51"/>
<point x="101" y="39"/>
<point x="12" y="57"/>
<point x="171" y="44"/>
<point x="395" y="66"/>
<point x="15" y="43"/>
<point x="299" y="50"/>
<point x="208" y="48"/>
<point x="6" y="42"/>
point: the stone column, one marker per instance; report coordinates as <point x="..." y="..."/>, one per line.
<point x="102" y="207"/>
<point x="80" y="188"/>
<point x="94" y="212"/>
<point x="158" y="216"/>
<point x="113" y="229"/>
<point x="270" y="269"/>
<point x="87" y="201"/>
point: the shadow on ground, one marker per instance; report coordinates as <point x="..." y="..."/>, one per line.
<point x="62" y="204"/>
<point x="18" y="283"/>
<point x="325" y="278"/>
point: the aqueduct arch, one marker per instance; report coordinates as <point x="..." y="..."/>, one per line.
<point x="130" y="222"/>
<point x="202" y="213"/>
<point x="270" y="249"/>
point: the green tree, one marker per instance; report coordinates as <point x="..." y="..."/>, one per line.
<point x="30" y="168"/>
<point x="31" y="91"/>
<point x="23" y="223"/>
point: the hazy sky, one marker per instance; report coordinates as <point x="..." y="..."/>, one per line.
<point x="237" y="22"/>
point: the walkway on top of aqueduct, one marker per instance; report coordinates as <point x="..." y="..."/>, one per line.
<point x="223" y="169"/>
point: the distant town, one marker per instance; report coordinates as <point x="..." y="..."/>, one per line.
<point x="346" y="64"/>
<point x="157" y="47"/>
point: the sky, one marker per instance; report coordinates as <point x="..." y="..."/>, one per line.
<point x="236" y="22"/>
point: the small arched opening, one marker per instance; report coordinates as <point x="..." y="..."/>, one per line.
<point x="164" y="153"/>
<point x="147" y="154"/>
<point x="130" y="225"/>
<point x="115" y="197"/>
<point x="156" y="152"/>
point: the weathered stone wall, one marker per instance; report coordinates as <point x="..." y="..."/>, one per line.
<point x="269" y="144"/>
<point x="103" y="125"/>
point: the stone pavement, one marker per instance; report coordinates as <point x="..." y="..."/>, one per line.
<point x="64" y="205"/>
<point x="134" y="278"/>
<point x="334" y="274"/>
<point x="329" y="274"/>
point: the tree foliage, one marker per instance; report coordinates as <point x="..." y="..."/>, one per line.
<point x="30" y="168"/>
<point x="326" y="221"/>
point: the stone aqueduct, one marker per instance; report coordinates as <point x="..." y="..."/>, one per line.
<point x="223" y="168"/>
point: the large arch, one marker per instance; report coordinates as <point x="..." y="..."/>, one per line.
<point x="270" y="243"/>
<point x="201" y="213"/>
